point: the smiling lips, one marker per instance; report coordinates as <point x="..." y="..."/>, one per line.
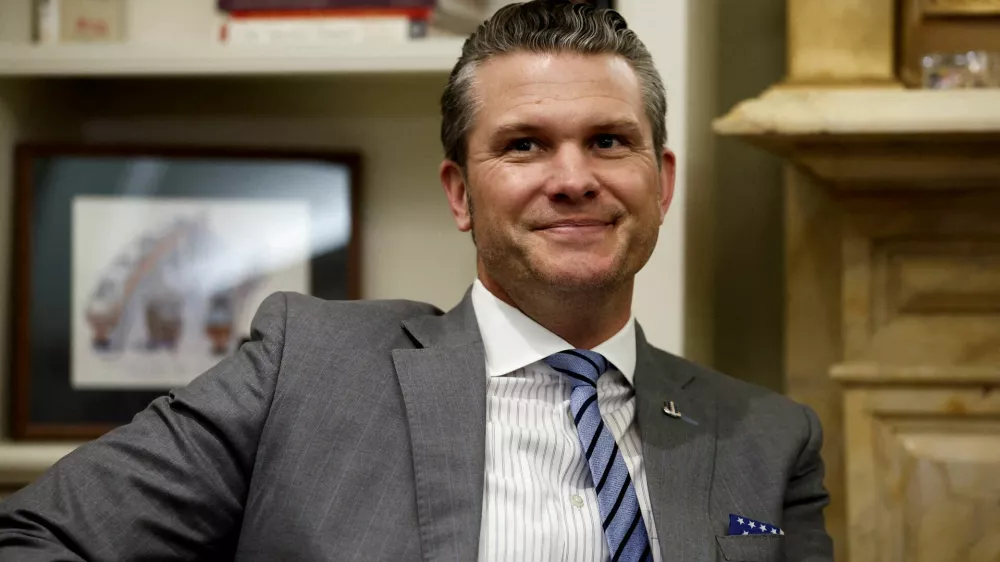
<point x="576" y="227"/>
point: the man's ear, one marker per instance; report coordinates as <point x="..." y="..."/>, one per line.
<point x="453" y="181"/>
<point x="668" y="171"/>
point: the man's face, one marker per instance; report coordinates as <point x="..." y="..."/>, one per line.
<point x="562" y="185"/>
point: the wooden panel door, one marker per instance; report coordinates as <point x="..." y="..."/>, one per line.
<point x="923" y="473"/>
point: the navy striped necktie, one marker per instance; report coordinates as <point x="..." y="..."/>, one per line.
<point x="619" y="506"/>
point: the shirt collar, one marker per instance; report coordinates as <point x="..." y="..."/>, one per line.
<point x="511" y="340"/>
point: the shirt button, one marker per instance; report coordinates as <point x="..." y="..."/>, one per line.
<point x="576" y="500"/>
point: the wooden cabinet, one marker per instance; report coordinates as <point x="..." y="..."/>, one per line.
<point x="892" y="245"/>
<point x="944" y="26"/>
<point x="923" y="466"/>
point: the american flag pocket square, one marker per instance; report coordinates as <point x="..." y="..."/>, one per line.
<point x="739" y="525"/>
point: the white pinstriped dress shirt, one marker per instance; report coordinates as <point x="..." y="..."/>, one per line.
<point x="539" y="502"/>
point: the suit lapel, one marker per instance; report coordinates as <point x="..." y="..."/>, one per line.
<point x="444" y="392"/>
<point x="679" y="456"/>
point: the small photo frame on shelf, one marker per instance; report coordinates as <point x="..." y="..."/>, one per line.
<point x="139" y="268"/>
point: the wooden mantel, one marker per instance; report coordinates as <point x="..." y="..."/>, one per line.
<point x="791" y="112"/>
<point x="892" y="269"/>
<point x="879" y="138"/>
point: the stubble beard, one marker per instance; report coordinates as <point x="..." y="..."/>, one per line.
<point x="511" y="265"/>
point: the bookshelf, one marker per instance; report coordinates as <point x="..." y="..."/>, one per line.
<point x="175" y="85"/>
<point x="21" y="463"/>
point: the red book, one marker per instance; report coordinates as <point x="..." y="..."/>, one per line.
<point x="282" y="5"/>
<point x="324" y="26"/>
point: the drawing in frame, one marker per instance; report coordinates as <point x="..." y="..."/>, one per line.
<point x="137" y="268"/>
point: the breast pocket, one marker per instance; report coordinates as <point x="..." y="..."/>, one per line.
<point x="752" y="548"/>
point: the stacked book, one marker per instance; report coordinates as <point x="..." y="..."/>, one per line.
<point x="78" y="21"/>
<point x="325" y="22"/>
<point x="464" y="16"/>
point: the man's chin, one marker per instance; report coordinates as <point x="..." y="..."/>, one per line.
<point x="576" y="280"/>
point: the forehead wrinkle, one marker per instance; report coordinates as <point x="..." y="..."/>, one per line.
<point x="526" y="78"/>
<point x="535" y="111"/>
<point x="547" y="90"/>
<point x="513" y="97"/>
<point x="540" y="100"/>
<point x="558" y="83"/>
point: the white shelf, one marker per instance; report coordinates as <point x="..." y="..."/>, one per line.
<point x="436" y="55"/>
<point x="790" y="111"/>
<point x="20" y="463"/>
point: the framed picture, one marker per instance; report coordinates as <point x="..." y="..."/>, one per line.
<point x="139" y="268"/>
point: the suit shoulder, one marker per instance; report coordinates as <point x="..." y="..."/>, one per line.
<point x="325" y="326"/>
<point x="302" y="307"/>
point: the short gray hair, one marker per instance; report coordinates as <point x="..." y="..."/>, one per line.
<point x="546" y="26"/>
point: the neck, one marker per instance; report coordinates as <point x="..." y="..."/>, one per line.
<point x="585" y="319"/>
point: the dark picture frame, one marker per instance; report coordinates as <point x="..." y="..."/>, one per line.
<point x="55" y="183"/>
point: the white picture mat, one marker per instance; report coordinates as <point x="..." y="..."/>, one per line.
<point x="268" y="239"/>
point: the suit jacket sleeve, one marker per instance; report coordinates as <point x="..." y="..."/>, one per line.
<point x="806" y="539"/>
<point x="169" y="485"/>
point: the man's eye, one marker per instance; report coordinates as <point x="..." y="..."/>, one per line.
<point x="607" y="141"/>
<point x="521" y="145"/>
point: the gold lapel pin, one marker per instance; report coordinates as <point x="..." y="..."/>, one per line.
<point x="671" y="410"/>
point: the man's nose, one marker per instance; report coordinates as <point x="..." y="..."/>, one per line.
<point x="571" y="175"/>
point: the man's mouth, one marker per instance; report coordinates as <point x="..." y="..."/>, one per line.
<point x="576" y="228"/>
<point x="567" y="224"/>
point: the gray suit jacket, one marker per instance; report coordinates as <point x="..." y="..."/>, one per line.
<point x="356" y="431"/>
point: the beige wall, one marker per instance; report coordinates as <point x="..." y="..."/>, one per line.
<point x="749" y="273"/>
<point x="410" y="246"/>
<point x="672" y="296"/>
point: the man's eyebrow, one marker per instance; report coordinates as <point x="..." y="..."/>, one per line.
<point x="515" y="128"/>
<point x="624" y="124"/>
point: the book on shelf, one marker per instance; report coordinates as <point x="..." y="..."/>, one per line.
<point x="413" y="13"/>
<point x="320" y="27"/>
<point x="79" y="21"/>
<point x="464" y="16"/>
<point x="253" y="5"/>
<point x="315" y="22"/>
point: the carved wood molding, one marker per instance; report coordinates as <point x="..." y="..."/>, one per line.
<point x="883" y="163"/>
<point x="921" y="278"/>
<point x="956" y="276"/>
<point x="923" y="465"/>
<point x="960" y="7"/>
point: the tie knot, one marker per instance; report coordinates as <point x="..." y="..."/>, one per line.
<point x="581" y="365"/>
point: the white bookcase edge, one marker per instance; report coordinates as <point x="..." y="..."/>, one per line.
<point x="21" y="463"/>
<point x="432" y="55"/>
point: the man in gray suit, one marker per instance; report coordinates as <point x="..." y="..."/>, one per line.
<point x="531" y="422"/>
